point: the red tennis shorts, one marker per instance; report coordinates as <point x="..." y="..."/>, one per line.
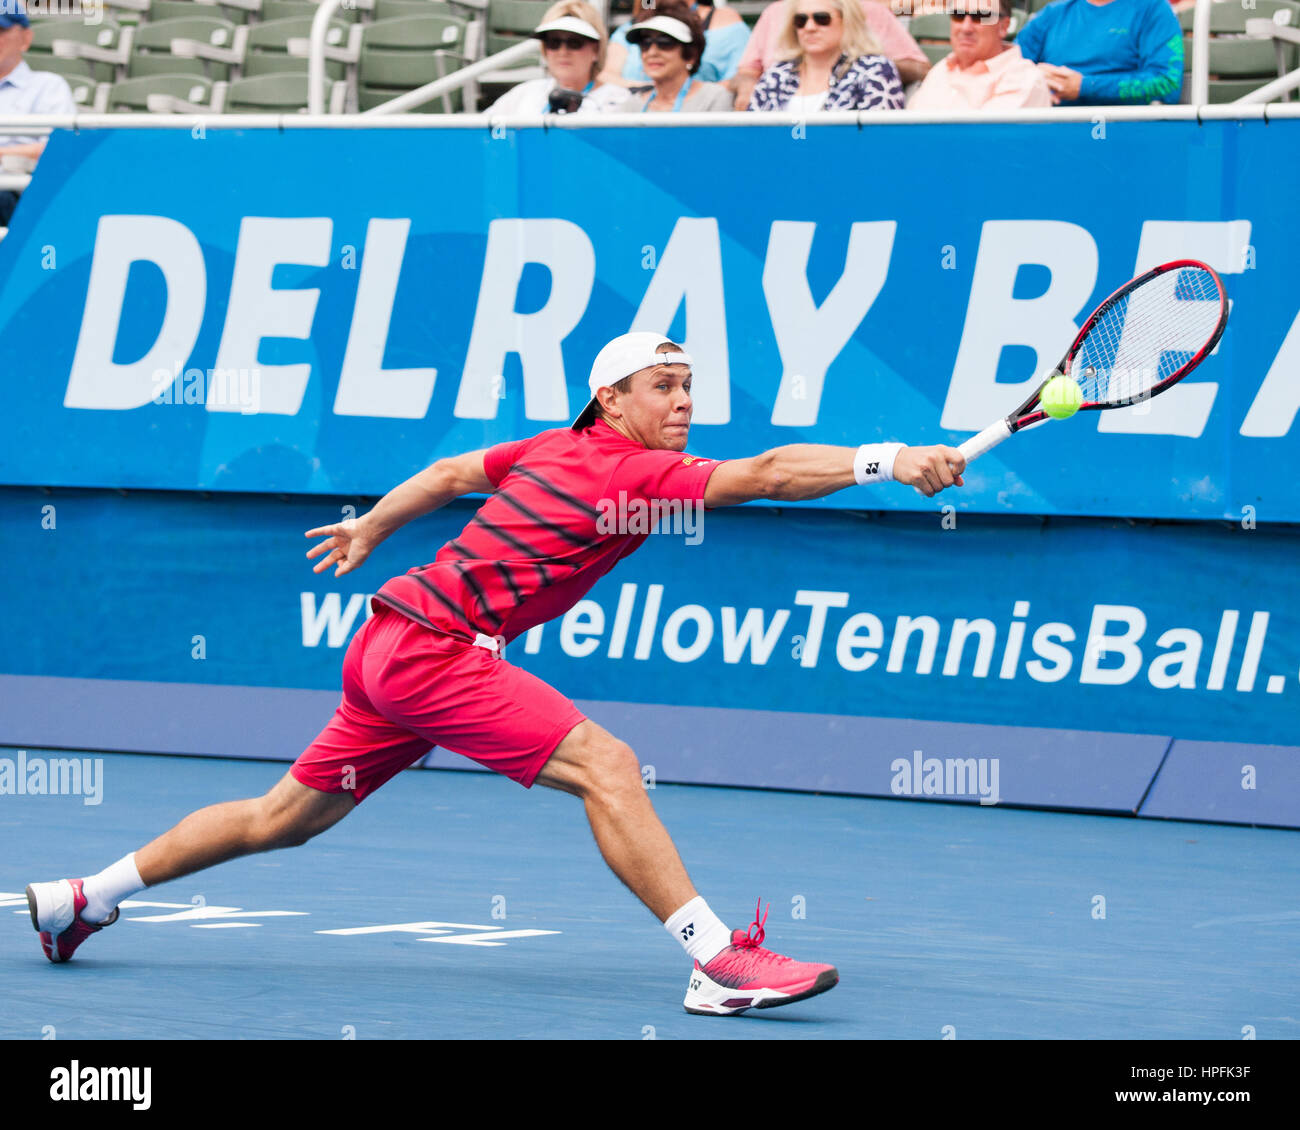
<point x="407" y="689"/>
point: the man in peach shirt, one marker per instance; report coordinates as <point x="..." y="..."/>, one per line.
<point x="760" y="52"/>
<point x="983" y="72"/>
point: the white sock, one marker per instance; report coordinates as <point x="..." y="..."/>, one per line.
<point x="700" y="931"/>
<point x="104" y="891"/>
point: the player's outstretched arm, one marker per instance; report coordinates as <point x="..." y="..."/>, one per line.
<point x="347" y="544"/>
<point x="802" y="471"/>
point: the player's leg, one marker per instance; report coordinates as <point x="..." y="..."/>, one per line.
<point x="594" y="765"/>
<point x="287" y="816"/>
<point x="67" y="911"/>
<point x="732" y="973"/>
<point x="355" y="754"/>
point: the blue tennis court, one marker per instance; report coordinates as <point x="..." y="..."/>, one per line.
<point x="456" y="905"/>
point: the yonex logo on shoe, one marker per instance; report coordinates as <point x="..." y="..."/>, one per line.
<point x="688" y="931"/>
<point x="695" y="984"/>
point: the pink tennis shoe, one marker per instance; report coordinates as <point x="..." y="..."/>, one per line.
<point x="745" y="976"/>
<point x="56" y="913"/>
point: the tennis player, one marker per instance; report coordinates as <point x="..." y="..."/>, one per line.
<point x="427" y="667"/>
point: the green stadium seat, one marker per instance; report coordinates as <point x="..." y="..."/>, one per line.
<point x="934" y="27"/>
<point x="266" y="48"/>
<point x="272" y="94"/>
<point x="152" y="48"/>
<point x="1229" y="17"/>
<point x="1238" y="66"/>
<point x="395" y="9"/>
<point x="295" y="9"/>
<point x="83" y="91"/>
<point x="236" y="11"/>
<point x="132" y="95"/>
<point x="69" y="68"/>
<point x="403" y="54"/>
<point x="128" y="13"/>
<point x="161" y="10"/>
<point x="508" y="22"/>
<point x="935" y="52"/>
<point x="102" y="47"/>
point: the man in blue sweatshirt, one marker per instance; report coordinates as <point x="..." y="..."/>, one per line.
<point x="1107" y="52"/>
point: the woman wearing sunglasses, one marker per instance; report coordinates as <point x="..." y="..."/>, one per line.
<point x="573" y="52"/>
<point x="671" y="40"/>
<point x="828" y="61"/>
<point x="725" y="38"/>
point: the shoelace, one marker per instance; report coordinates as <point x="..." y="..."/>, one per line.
<point x="752" y="941"/>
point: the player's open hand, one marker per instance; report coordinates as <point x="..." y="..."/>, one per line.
<point x="347" y="544"/>
<point x="929" y="469"/>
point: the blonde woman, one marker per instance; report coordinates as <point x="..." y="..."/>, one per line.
<point x="573" y="51"/>
<point x="827" y="60"/>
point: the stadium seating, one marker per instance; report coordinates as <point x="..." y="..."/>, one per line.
<point x="403" y="54"/>
<point x="267" y="47"/>
<point x="1239" y="65"/>
<point x="69" y="45"/>
<point x="931" y="34"/>
<point x="154" y="93"/>
<point x="510" y="22"/>
<point x="271" y="94"/>
<point x="152" y="52"/>
<point x="382" y="57"/>
<point x="1230" y="18"/>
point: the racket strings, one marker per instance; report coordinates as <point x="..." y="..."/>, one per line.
<point x="1147" y="336"/>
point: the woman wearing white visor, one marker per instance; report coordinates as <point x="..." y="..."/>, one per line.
<point x="671" y="39"/>
<point x="573" y="51"/>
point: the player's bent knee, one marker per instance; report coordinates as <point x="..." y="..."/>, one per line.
<point x="615" y="769"/>
<point x="280" y="825"/>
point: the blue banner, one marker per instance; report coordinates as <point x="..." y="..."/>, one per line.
<point x="1187" y="631"/>
<point x="325" y="311"/>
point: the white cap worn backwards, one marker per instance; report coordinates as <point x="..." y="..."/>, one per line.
<point x="622" y="357"/>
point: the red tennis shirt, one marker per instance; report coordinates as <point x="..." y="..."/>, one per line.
<point x="536" y="546"/>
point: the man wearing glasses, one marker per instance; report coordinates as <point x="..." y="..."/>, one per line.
<point x="984" y="72"/>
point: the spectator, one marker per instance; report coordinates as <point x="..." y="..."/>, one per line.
<point x="573" y="52"/>
<point x="1107" y="52"/>
<point x="983" y="72"/>
<point x="671" y="39"/>
<point x="828" y="61"/>
<point x="725" y="36"/>
<point x="24" y="91"/>
<point x="760" y="53"/>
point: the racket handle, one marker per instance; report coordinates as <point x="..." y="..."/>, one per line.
<point x="989" y="438"/>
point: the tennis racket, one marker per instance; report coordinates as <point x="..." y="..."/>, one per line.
<point x="1145" y="338"/>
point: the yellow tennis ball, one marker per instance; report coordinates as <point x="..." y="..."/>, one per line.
<point x="1061" y="397"/>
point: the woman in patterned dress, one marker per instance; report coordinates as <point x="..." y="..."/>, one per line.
<point x="828" y="60"/>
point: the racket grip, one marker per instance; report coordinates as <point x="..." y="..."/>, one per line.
<point x="989" y="438"/>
